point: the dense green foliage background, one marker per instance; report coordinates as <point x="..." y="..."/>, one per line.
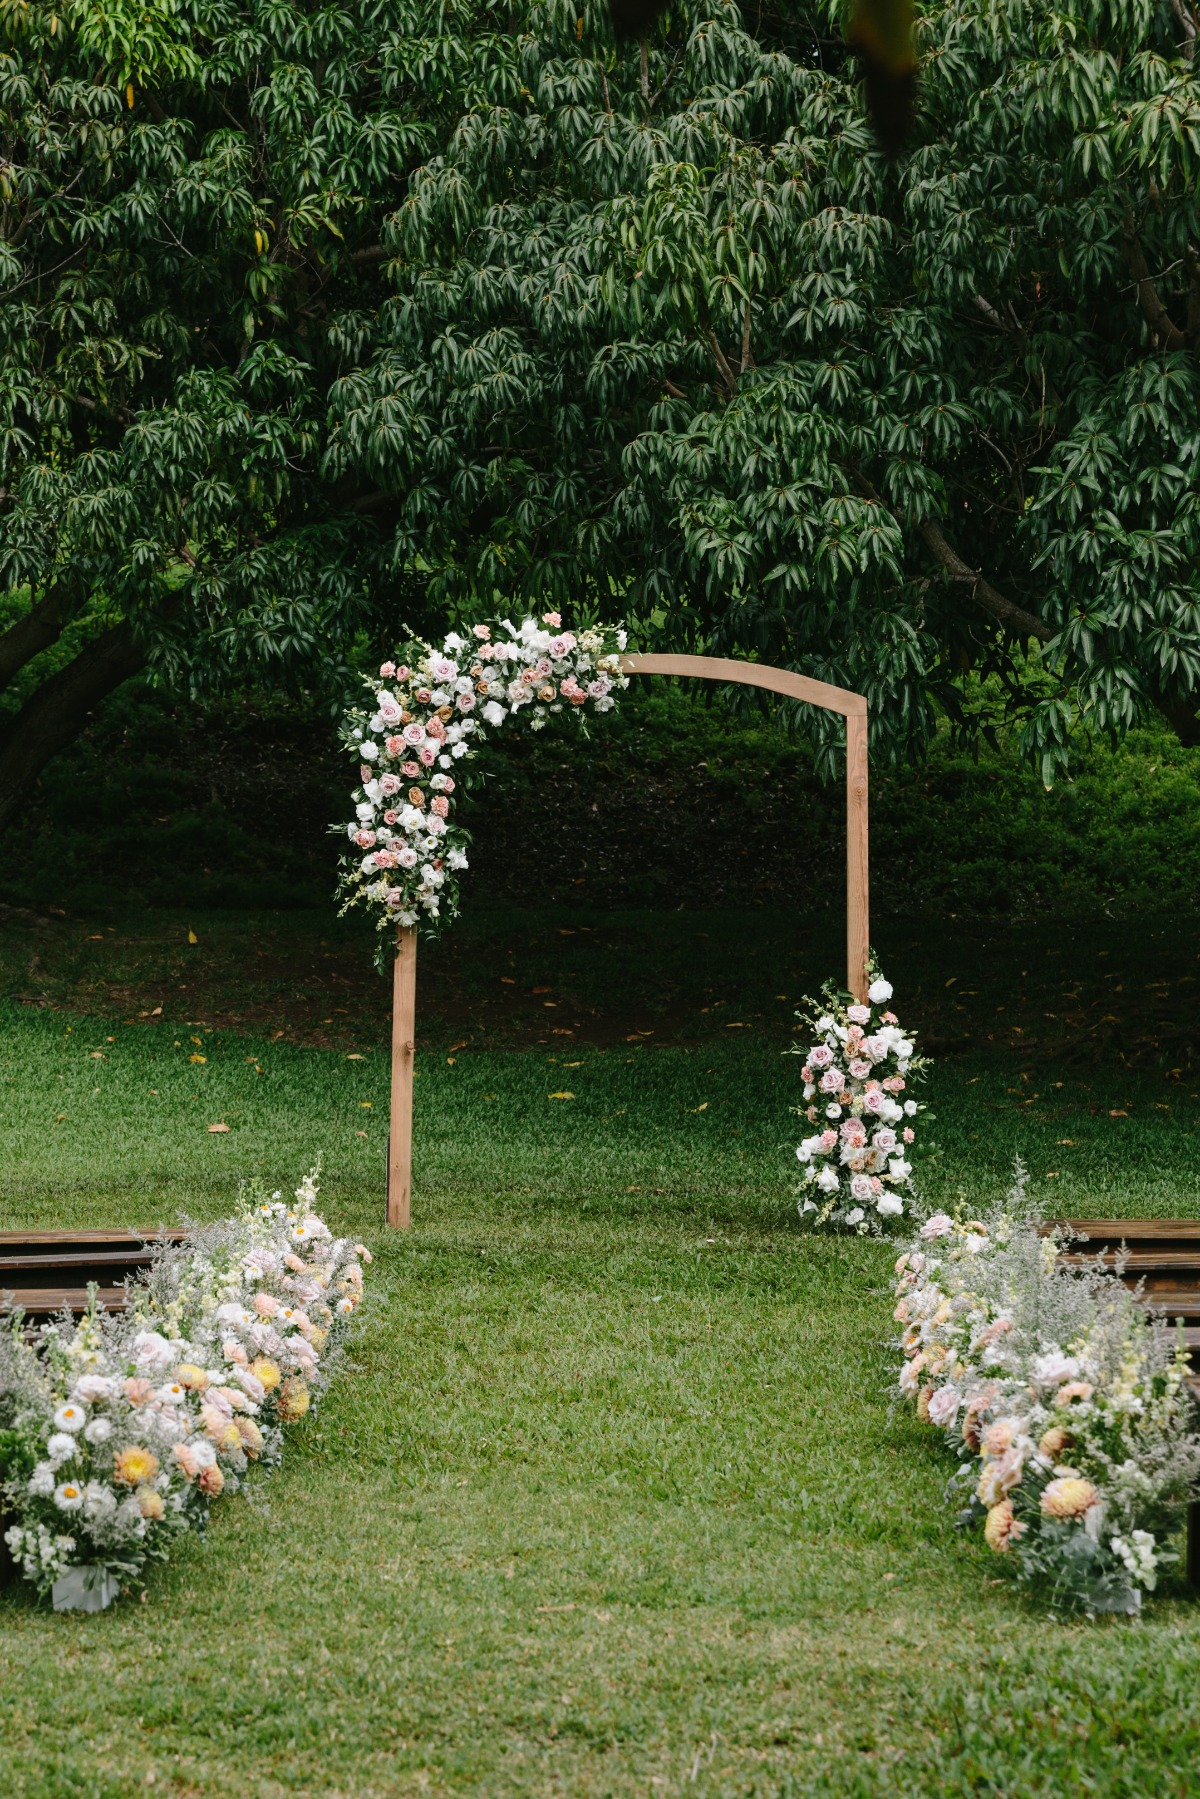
<point x="314" y="320"/>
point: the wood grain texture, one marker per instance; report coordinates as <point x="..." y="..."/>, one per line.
<point x="404" y="1025"/>
<point x="751" y="674"/>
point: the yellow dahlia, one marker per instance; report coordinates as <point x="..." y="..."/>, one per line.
<point x="1054" y="1442"/>
<point x="1002" y="1528"/>
<point x="1068" y="1497"/>
<point x="266" y="1372"/>
<point x="150" y="1504"/>
<point x="188" y="1375"/>
<point x="134" y="1466"/>
<point x="250" y="1435"/>
<point x="294" y="1400"/>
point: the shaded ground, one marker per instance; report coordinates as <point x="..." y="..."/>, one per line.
<point x="1051" y="994"/>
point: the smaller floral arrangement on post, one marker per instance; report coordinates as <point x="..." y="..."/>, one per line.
<point x="427" y="713"/>
<point x="856" y="1165"/>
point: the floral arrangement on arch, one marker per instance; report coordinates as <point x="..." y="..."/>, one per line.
<point x="118" y="1432"/>
<point x="856" y="1171"/>
<point x="1068" y="1407"/>
<point x="429" y="712"/>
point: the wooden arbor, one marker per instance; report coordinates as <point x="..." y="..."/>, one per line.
<point x="853" y="708"/>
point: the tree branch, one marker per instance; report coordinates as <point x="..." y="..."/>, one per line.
<point x="1187" y="19"/>
<point x="1153" y="310"/>
<point x="1006" y="611"/>
<point x="57" y="713"/>
<point x="41" y="626"/>
<point x="720" y="358"/>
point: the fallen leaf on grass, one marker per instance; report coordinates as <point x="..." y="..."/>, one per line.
<point x="98" y="1055"/>
<point x="461" y="1045"/>
<point x="562" y="1096"/>
<point x="197" y="1058"/>
<point x="700" y="1108"/>
<point x="1118" y="1112"/>
<point x="738" y="1025"/>
<point x="192" y="937"/>
<point x="1065" y="1142"/>
<point x="366" y="1104"/>
<point x="218" y="1127"/>
<point x="360" y="1133"/>
<point x="355" y="1057"/>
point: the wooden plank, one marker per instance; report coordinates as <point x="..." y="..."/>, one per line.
<point x="152" y="1234"/>
<point x="751" y="674"/>
<point x="858" y="924"/>
<point x="53" y="1299"/>
<point x="1135" y="1260"/>
<point x="1131" y="1230"/>
<point x="78" y="1258"/>
<point x="404" y="1014"/>
<point x="1173" y="1302"/>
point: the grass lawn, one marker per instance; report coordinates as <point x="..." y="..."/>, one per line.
<point x="612" y="1498"/>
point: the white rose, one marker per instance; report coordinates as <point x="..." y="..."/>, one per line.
<point x="910" y="1108"/>
<point x="827" y="1180"/>
<point x="369" y="751"/>
<point x="888" y="1206"/>
<point x="856" y="1216"/>
<point x="879" y="992"/>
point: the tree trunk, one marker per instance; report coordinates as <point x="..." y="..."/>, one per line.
<point x="57" y="713"/>
<point x="41" y="626"/>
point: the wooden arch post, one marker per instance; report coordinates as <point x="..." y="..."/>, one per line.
<point x="853" y="708"/>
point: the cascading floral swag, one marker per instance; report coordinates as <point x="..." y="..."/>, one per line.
<point x="430" y="710"/>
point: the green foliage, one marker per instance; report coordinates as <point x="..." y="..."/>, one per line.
<point x="410" y="310"/>
<point x="678" y="331"/>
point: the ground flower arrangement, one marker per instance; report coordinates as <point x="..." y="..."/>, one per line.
<point x="119" y="1431"/>
<point x="427" y="715"/>
<point x="856" y="1168"/>
<point x="1069" y="1410"/>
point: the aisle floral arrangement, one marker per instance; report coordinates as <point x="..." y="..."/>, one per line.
<point x="428" y="713"/>
<point x="1068" y="1407"/>
<point x="856" y="1168"/>
<point x="119" y="1431"/>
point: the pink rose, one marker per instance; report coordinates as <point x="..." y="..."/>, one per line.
<point x="859" y="1014"/>
<point x="387" y="670"/>
<point x="598" y="688"/>
<point x="414" y="733"/>
<point x="893" y="1084"/>
<point x="828" y="1140"/>
<point x="874" y="1100"/>
<point x="466" y="702"/>
<point x="481" y="631"/>
<point x="364" y="839"/>
<point x="423" y="696"/>
<point x="138" y="1391"/>
<point x="884" y="1139"/>
<point x="384" y="859"/>
<point x="266" y="1305"/>
<point x="389" y="818"/>
<point x="909" y="1134"/>
<point x="821" y="1056"/>
<point x="448" y="786"/>
<point x="389" y="709"/>
<point x="389" y="784"/>
<point x="858" y="1068"/>
<point x="395" y="898"/>
<point x="889" y="1018"/>
<point x="410" y="769"/>
<point x="436" y="729"/>
<point x="559" y="648"/>
<point x="441" y="805"/>
<point x="831" y="1080"/>
<point x="552" y="619"/>
<point x="394" y="746"/>
<point x="427" y="755"/>
<point x="185" y="1455"/>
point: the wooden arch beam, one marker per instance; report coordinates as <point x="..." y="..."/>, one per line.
<point x="852" y="707"/>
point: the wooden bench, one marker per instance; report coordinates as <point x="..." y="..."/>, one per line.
<point x="44" y="1271"/>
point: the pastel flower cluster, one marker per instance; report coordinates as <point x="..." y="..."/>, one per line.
<point x="856" y="1170"/>
<point x="428" y="713"/>
<point x="118" y="1432"/>
<point x="1068" y="1408"/>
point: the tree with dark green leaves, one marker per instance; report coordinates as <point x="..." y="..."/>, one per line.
<point x="317" y="319"/>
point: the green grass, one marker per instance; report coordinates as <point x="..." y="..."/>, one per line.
<point x="612" y="1498"/>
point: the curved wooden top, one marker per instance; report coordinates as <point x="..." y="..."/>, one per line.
<point x="751" y="674"/>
